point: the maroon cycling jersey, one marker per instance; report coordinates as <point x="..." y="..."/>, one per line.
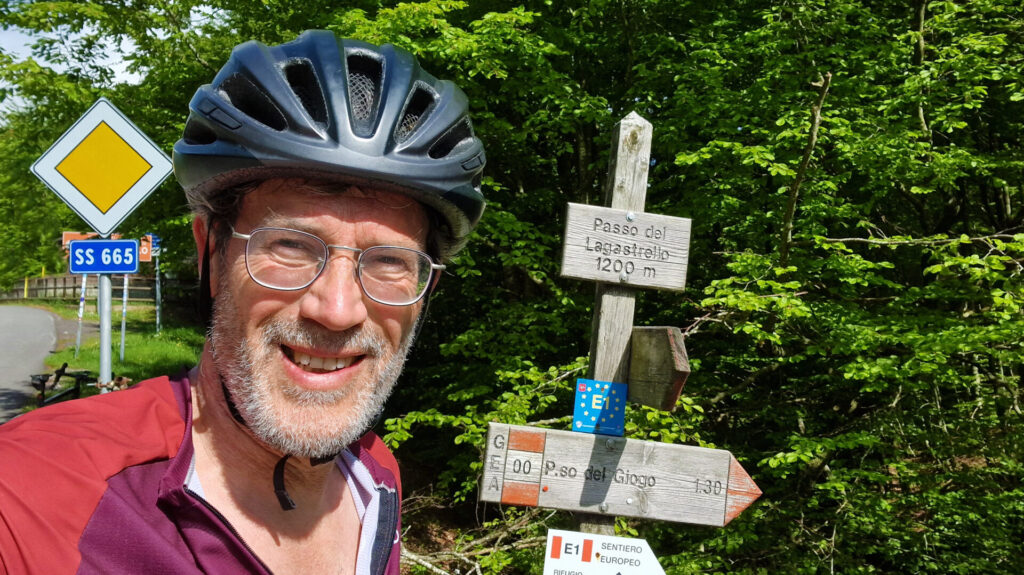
<point x="98" y="485"/>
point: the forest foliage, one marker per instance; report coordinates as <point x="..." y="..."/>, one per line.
<point x="854" y="171"/>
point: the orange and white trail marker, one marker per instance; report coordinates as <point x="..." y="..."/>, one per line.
<point x="607" y="475"/>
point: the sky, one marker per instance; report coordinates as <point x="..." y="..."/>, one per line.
<point x="15" y="43"/>
<point x="18" y="44"/>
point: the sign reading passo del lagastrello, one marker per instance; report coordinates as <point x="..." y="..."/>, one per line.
<point x="625" y="248"/>
<point x="104" y="257"/>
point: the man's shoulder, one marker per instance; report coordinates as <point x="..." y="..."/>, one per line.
<point x="55" y="464"/>
<point x="146" y="418"/>
<point x="372" y="451"/>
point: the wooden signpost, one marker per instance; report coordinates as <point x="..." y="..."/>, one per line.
<point x="613" y="476"/>
<point x="601" y="476"/>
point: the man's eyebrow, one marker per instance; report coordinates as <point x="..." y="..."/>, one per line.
<point x="275" y="220"/>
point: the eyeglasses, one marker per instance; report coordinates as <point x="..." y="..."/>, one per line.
<point x="284" y="259"/>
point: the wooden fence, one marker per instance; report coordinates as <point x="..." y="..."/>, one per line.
<point x="69" y="287"/>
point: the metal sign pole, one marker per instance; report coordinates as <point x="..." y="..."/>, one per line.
<point x="103" y="301"/>
<point x="124" y="313"/>
<point x="133" y="166"/>
<point x="81" y="312"/>
<point x="156" y="256"/>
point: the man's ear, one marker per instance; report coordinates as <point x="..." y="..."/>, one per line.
<point x="199" y="233"/>
<point x="206" y="247"/>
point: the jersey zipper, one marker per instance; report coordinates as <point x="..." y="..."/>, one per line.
<point x="387" y="519"/>
<point x="230" y="527"/>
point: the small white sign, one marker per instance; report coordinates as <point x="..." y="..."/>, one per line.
<point x="103" y="167"/>
<point x="572" y="553"/>
<point x="636" y="250"/>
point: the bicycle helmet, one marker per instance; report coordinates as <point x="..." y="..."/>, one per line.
<point x="335" y="109"/>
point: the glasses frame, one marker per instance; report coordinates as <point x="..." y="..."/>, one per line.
<point x="432" y="279"/>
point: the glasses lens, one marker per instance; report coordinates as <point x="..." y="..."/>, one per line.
<point x="396" y="276"/>
<point x="284" y="259"/>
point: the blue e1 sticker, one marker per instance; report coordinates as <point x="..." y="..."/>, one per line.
<point x="600" y="407"/>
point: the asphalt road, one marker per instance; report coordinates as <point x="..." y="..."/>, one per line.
<point x="27" y="336"/>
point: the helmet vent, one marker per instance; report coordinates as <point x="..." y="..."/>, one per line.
<point x="306" y="86"/>
<point x="458" y="134"/>
<point x="251" y="101"/>
<point x="419" y="104"/>
<point x="197" y="134"/>
<point x="364" y="79"/>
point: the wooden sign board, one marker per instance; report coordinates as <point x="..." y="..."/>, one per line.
<point x="658" y="366"/>
<point x="633" y="249"/>
<point x="607" y="475"/>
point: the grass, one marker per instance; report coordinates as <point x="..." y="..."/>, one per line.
<point x="147" y="353"/>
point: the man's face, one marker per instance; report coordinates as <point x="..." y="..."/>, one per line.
<point x="309" y="370"/>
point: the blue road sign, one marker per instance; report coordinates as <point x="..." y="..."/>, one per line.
<point x="600" y="407"/>
<point x="104" y="256"/>
<point x="156" y="241"/>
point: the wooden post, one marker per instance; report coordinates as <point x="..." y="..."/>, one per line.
<point x="625" y="189"/>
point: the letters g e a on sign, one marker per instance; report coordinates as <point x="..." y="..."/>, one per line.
<point x="626" y="248"/>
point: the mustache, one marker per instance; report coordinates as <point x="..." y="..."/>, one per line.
<point x="313" y="336"/>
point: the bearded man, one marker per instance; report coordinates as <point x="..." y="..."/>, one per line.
<point x="329" y="179"/>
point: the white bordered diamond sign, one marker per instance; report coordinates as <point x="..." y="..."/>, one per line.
<point x="103" y="167"/>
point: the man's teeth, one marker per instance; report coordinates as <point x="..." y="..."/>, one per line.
<point x="322" y="363"/>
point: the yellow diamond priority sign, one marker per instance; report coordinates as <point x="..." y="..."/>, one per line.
<point x="103" y="167"/>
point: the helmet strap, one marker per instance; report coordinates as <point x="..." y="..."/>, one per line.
<point x="205" y="298"/>
<point x="232" y="408"/>
<point x="285" y="500"/>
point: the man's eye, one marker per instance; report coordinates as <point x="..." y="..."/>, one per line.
<point x="288" y="244"/>
<point x="390" y="262"/>
<point x="292" y="248"/>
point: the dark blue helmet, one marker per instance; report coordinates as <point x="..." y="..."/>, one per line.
<point x="344" y="110"/>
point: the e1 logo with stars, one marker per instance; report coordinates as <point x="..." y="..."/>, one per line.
<point x="600" y="407"/>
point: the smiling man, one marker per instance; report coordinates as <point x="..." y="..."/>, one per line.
<point x="329" y="179"/>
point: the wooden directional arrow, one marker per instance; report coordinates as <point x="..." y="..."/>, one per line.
<point x="607" y="475"/>
<point x="658" y="366"/>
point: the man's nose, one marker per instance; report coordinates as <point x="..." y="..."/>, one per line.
<point x="335" y="299"/>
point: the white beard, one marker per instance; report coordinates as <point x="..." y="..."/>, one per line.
<point x="293" y="421"/>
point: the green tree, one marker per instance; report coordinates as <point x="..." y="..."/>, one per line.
<point x="854" y="172"/>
